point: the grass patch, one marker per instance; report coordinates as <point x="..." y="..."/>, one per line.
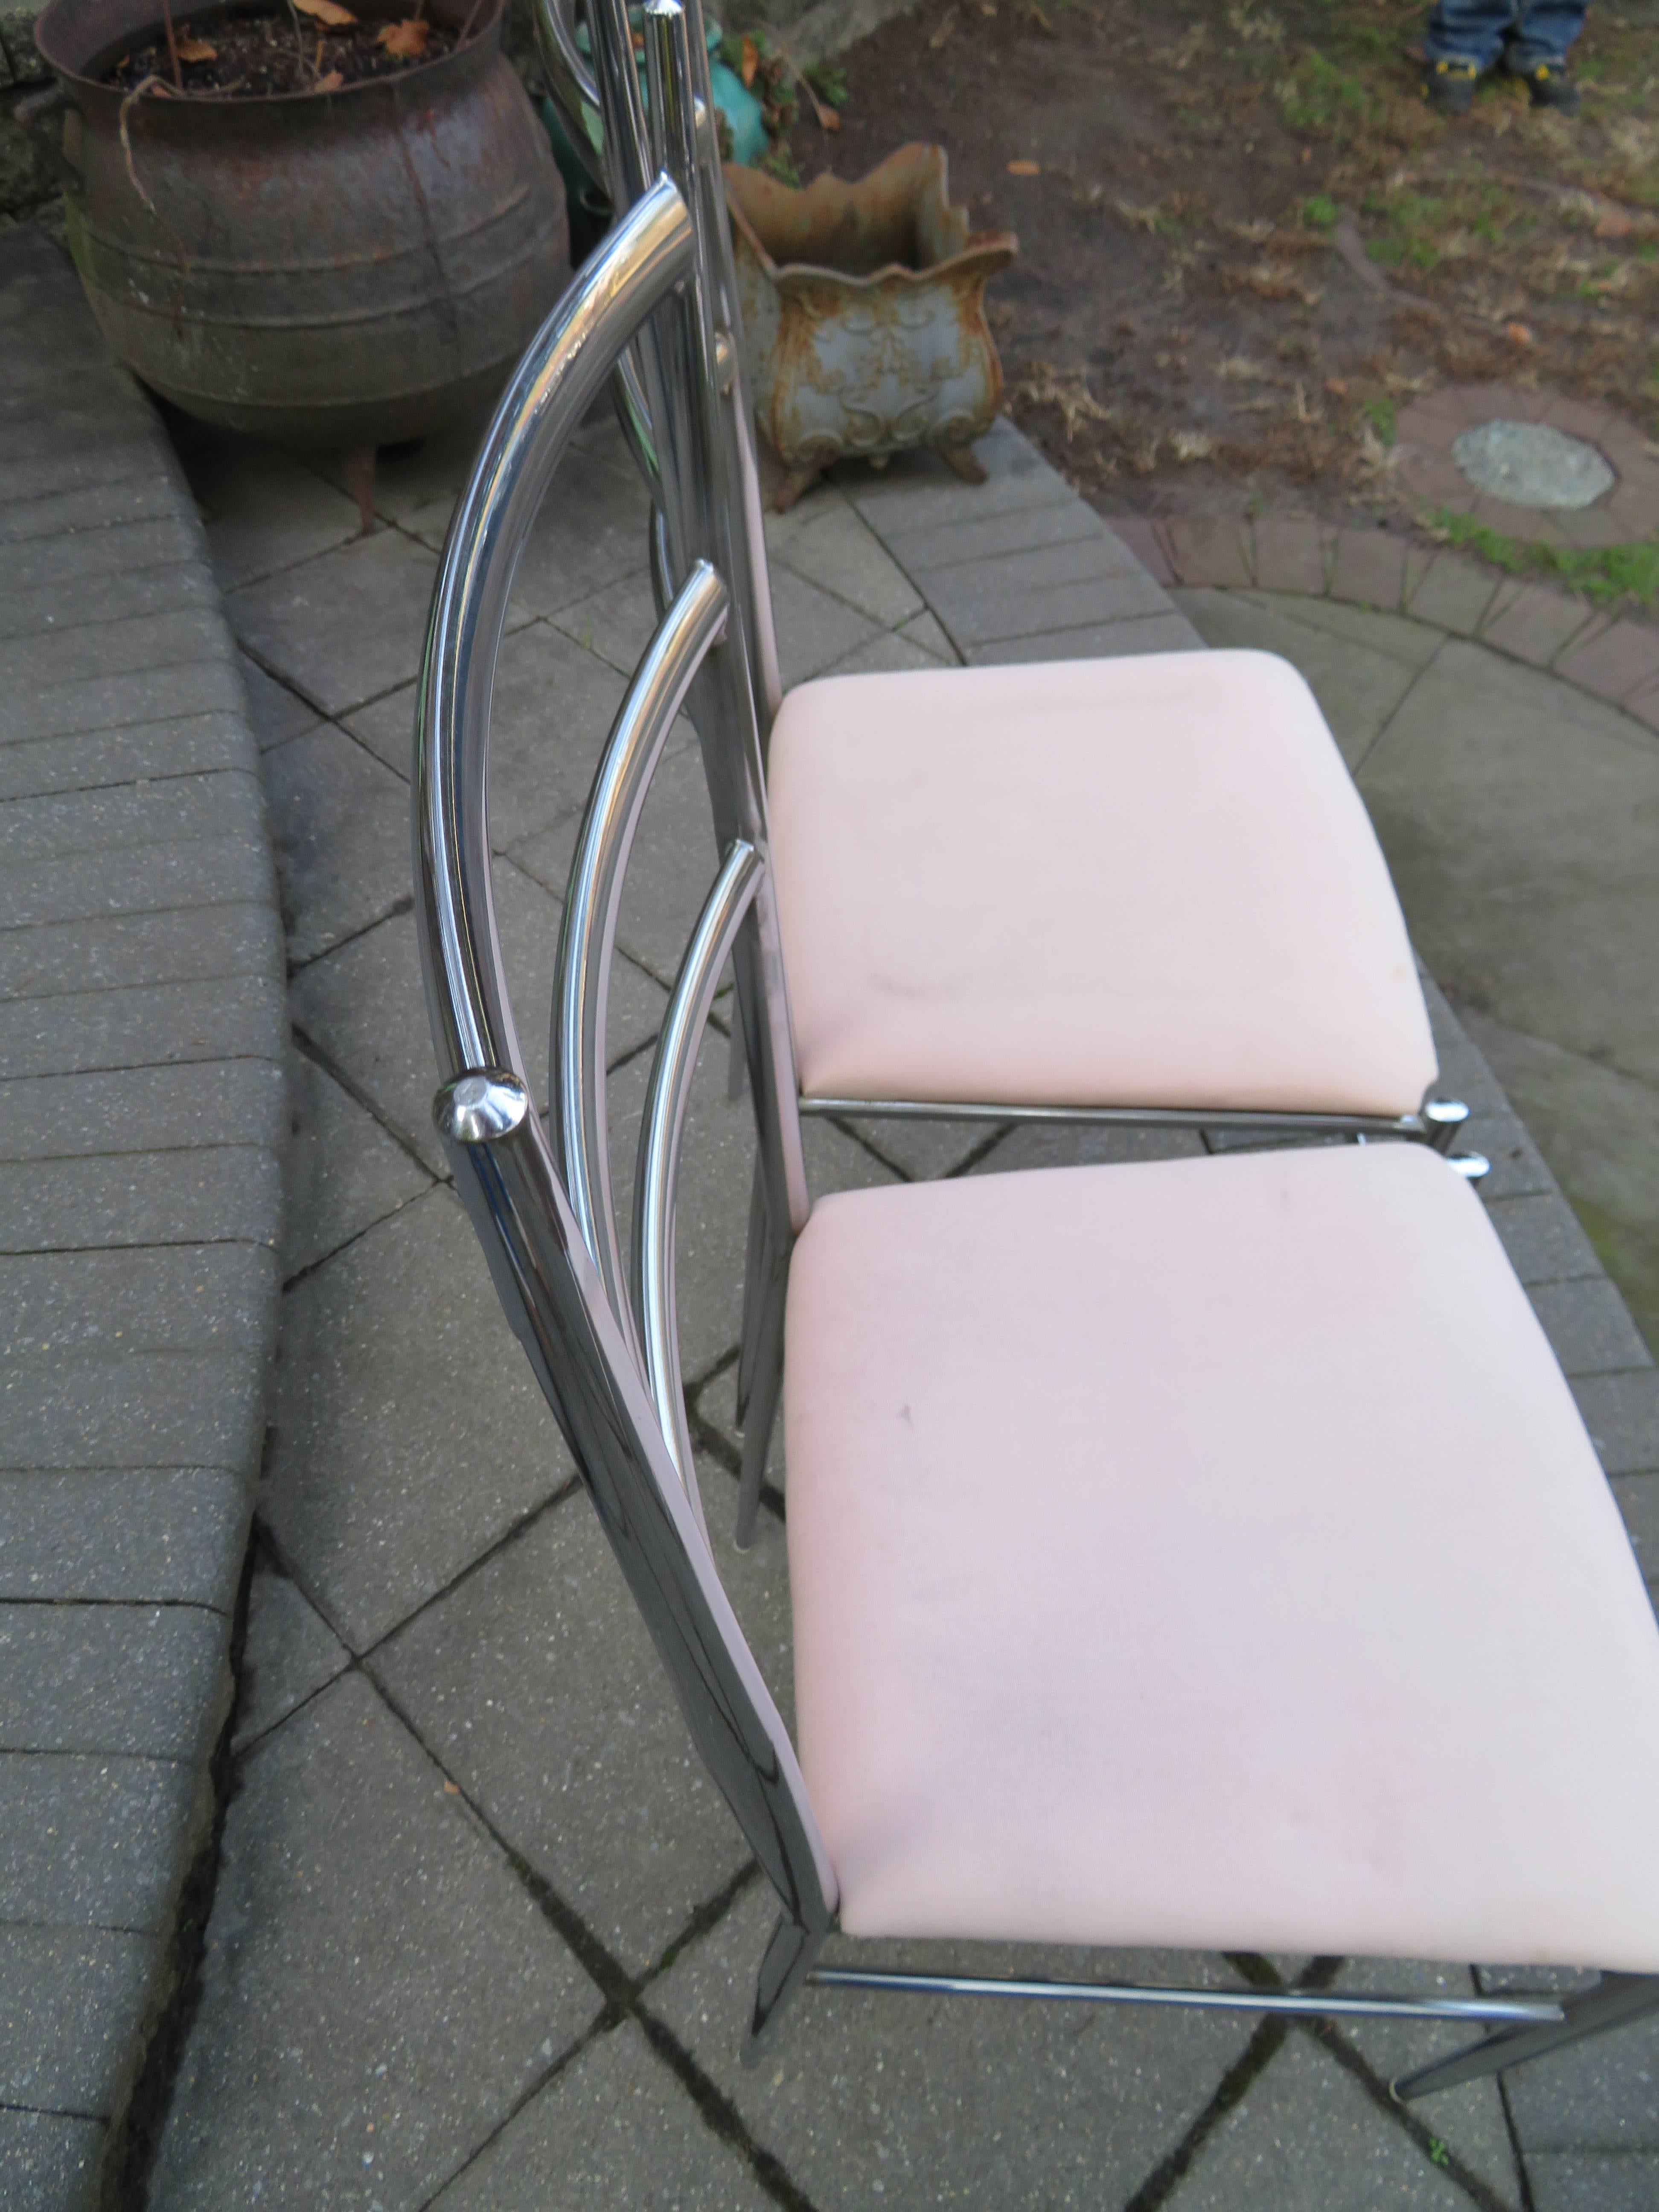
<point x="1606" y="576"/>
<point x="1319" y="213"/>
<point x="1324" y="100"/>
<point x="1383" y="415"/>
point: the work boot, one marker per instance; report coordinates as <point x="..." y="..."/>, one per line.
<point x="1450" y="87"/>
<point x="1547" y="83"/>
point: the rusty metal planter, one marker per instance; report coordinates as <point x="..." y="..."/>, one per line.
<point x="864" y="312"/>
<point x="343" y="268"/>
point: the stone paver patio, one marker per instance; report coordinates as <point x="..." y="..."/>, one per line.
<point x="484" y="1935"/>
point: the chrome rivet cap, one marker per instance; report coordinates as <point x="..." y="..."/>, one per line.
<point x="477" y="1107"/>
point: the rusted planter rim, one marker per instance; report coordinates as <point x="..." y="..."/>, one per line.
<point x="96" y="29"/>
<point x="901" y="178"/>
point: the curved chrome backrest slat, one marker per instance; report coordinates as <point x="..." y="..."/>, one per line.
<point x="558" y="379"/>
<point x="570" y="80"/>
<point x="576" y="1084"/>
<point x="656" y="1180"/>
<point x="504" y="1171"/>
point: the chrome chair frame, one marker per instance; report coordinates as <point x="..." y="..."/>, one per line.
<point x="604" y="1352"/>
<point x="683" y="501"/>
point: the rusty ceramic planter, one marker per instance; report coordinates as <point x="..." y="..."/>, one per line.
<point x="863" y="311"/>
<point x="343" y="268"/>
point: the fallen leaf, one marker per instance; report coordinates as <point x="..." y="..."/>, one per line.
<point x="1337" y="386"/>
<point x="827" y="120"/>
<point x="1192" y="445"/>
<point x="1518" y="333"/>
<point x="750" y="60"/>
<point x="402" y="41"/>
<point x="1025" y="168"/>
<point x="452" y="1789"/>
<point x="1239" y="368"/>
<point x="331" y="83"/>
<point x="326" y="11"/>
<point x="197" y="50"/>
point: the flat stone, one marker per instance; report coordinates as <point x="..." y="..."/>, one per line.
<point x="827" y="543"/>
<point x="94" y="1842"/>
<point x="926" y="631"/>
<point x="343" y="1170"/>
<point x="916" y="1149"/>
<point x="615" y="2124"/>
<point x="1599" y="1130"/>
<point x="1064" y="587"/>
<point x="1621" y="1413"/>
<point x="1064" y="1144"/>
<point x="1305" y="2137"/>
<point x="76" y="559"/>
<point x="1589" y="1327"/>
<point x="48" y="2160"/>
<point x="815" y="629"/>
<point x="1453" y="593"/>
<point x="1581" y="2181"/>
<point x="142" y="1536"/>
<point x="1469" y="2120"/>
<point x="411" y="1433"/>
<point x="187" y="1297"/>
<point x="142" y="1410"/>
<point x="136" y="1681"/>
<point x="1167" y="632"/>
<point x="275" y="713"/>
<point x="263" y="509"/>
<point x="536" y="1683"/>
<point x="415" y="486"/>
<point x="185" y="806"/>
<point x="1291" y="554"/>
<point x="137" y="879"/>
<point x="1357" y="682"/>
<point x="1638" y="1501"/>
<point x="917" y="491"/>
<point x="1536" y="624"/>
<point x="1513" y="814"/>
<point x="210" y="685"/>
<point x="74" y="1998"/>
<point x="1209" y="552"/>
<point x="888" y="654"/>
<point x="344" y="627"/>
<point x="1543" y="1239"/>
<point x="123" y="500"/>
<point x="1602" y="2095"/>
<point x="1531" y="465"/>
<point x="928" y="547"/>
<point x="364" y="1005"/>
<point x="141" y="644"/>
<point x="189" y="1196"/>
<point x="231" y="1017"/>
<point x="379" y="1992"/>
<point x="196" y="745"/>
<point x="290" y="1653"/>
<point x="56" y="609"/>
<point x="1619" y="659"/>
<point x="126" y="951"/>
<point x="616" y="623"/>
<point x="339" y="826"/>
<point x="139" y="1109"/>
<point x="917" y="2100"/>
<point x="591" y="532"/>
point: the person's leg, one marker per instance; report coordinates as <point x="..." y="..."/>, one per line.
<point x="1471" y="31"/>
<point x="1545" y="31"/>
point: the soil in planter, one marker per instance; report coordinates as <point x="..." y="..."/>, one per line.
<point x="305" y="47"/>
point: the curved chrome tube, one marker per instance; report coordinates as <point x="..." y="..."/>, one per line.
<point x="558" y="379"/>
<point x="587" y="938"/>
<point x="656" y="1179"/>
<point x="633" y="418"/>
<point x="569" y="82"/>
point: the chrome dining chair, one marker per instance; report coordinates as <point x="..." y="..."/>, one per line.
<point x="1203" y="1553"/>
<point x="1137" y="891"/>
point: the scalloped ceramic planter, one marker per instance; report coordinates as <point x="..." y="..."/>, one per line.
<point x="864" y="312"/>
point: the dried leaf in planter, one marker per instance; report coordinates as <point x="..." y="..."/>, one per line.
<point x="325" y="11"/>
<point x="406" y="40"/>
<point x="1025" y="168"/>
<point x="331" y="83"/>
<point x="197" y="50"/>
<point x="750" y="60"/>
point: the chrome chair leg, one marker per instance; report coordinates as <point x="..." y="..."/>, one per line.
<point x="1443" y="1118"/>
<point x="790" y="1958"/>
<point x="1615" y="2000"/>
<point x="761" y="1387"/>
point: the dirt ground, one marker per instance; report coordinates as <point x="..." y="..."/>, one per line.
<point x="1247" y="238"/>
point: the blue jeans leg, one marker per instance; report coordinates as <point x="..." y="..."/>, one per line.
<point x="1470" y="31"/>
<point x="1546" y="29"/>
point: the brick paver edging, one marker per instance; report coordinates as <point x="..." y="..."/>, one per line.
<point x="1613" y="656"/>
<point x="142" y="1020"/>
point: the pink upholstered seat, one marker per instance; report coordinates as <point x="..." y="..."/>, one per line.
<point x="1142" y="882"/>
<point x="1210" y="1554"/>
